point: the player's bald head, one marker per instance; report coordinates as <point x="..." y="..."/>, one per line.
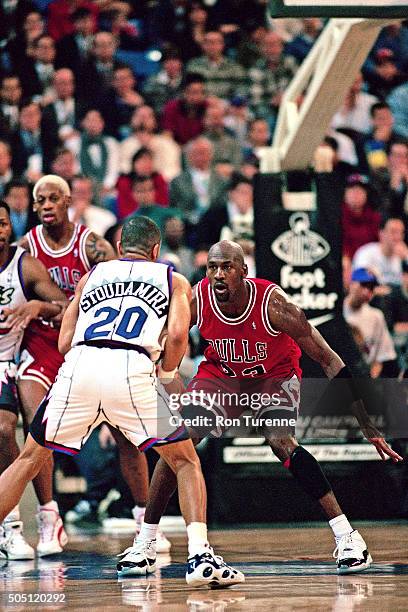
<point x="226" y="249"/>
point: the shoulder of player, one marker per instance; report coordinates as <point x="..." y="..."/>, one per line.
<point x="98" y="249"/>
<point x="278" y="300"/>
<point x="285" y="316"/>
<point x="180" y="282"/>
<point x="82" y="282"/>
<point x="23" y="242"/>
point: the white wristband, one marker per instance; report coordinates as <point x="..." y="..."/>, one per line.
<point x="166" y="377"/>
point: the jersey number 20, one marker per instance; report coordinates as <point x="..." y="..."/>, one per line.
<point x="127" y="327"/>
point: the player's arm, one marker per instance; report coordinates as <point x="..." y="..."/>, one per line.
<point x="70" y="318"/>
<point x="178" y="323"/>
<point x="286" y="317"/>
<point x="37" y="282"/>
<point x="98" y="249"/>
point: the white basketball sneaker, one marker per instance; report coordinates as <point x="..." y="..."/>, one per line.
<point x="138" y="560"/>
<point x="52" y="533"/>
<point x="210" y="569"/>
<point x="163" y="545"/>
<point x="352" y="554"/>
<point x="13" y="545"/>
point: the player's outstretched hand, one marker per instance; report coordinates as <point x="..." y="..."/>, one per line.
<point x="383" y="449"/>
<point x="19" y="318"/>
<point x="373" y="435"/>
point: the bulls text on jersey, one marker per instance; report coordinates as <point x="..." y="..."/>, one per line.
<point x="66" y="278"/>
<point x="239" y="351"/>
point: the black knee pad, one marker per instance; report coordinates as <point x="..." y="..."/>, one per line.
<point x="308" y="473"/>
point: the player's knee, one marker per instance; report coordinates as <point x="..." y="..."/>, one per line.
<point x="33" y="456"/>
<point x="7" y="435"/>
<point x="308" y="473"/>
<point x="188" y="462"/>
<point x="183" y="460"/>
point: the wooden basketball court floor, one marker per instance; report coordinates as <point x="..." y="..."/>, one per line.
<point x="286" y="567"/>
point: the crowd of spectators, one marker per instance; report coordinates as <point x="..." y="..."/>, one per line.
<point x="161" y="107"/>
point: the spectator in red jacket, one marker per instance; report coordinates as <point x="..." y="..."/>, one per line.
<point x="142" y="165"/>
<point x="360" y="222"/>
<point x="183" y="117"/>
<point x="59" y="16"/>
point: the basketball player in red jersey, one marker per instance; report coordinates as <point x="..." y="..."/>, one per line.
<point x="68" y="251"/>
<point x="256" y="333"/>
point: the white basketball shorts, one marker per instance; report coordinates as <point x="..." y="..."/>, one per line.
<point x="97" y="384"/>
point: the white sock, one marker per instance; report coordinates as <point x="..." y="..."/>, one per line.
<point x="14" y="515"/>
<point x="147" y="532"/>
<point x="51" y="505"/>
<point x="340" y="526"/>
<point x="197" y="538"/>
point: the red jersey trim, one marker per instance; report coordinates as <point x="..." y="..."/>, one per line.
<point x="245" y="314"/>
<point x="61" y="252"/>
<point x="32" y="245"/>
<point x="264" y="311"/>
<point x="82" y="249"/>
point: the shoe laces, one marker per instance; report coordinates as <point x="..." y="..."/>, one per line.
<point x="138" y="547"/>
<point x="209" y="550"/>
<point x="345" y="544"/>
<point x="14" y="533"/>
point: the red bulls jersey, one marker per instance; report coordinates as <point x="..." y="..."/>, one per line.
<point x="66" y="266"/>
<point x="244" y="346"/>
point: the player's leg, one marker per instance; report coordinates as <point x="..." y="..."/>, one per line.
<point x="50" y="526"/>
<point x="133" y="466"/>
<point x="203" y="566"/>
<point x="15" y="478"/>
<point x="351" y="550"/>
<point x="31" y="394"/>
<point x="12" y="542"/>
<point x="162" y="486"/>
<point x="135" y="472"/>
<point x="8" y="445"/>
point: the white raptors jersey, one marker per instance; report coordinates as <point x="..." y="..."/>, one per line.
<point x="11" y="295"/>
<point x="125" y="301"/>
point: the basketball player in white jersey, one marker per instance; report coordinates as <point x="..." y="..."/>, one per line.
<point x="68" y="250"/>
<point x="110" y="336"/>
<point x="21" y="277"/>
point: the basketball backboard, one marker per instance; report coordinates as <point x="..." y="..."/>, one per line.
<point x="373" y="9"/>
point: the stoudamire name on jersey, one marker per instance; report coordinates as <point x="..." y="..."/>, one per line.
<point x="149" y="294"/>
<point x="239" y="351"/>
